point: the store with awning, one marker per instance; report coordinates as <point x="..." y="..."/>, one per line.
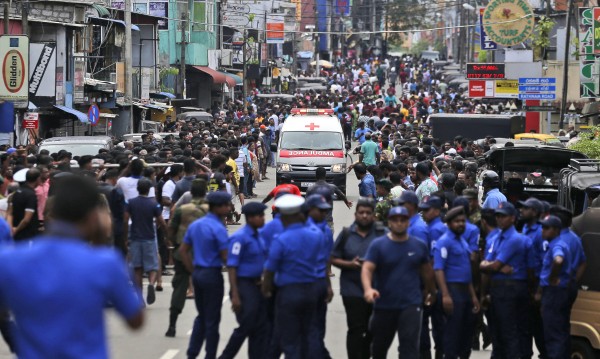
<point x="105" y="21"/>
<point x="206" y="84"/>
<point x="82" y="117"/>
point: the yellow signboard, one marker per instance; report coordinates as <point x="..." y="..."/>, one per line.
<point x="507" y="89"/>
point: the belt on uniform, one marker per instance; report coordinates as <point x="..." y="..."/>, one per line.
<point x="458" y="286"/>
<point x="506" y="282"/>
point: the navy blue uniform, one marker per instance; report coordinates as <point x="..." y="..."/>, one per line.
<point x="399" y="307"/>
<point x="509" y="294"/>
<point x="556" y="308"/>
<point x="418" y="228"/>
<point x="577" y="258"/>
<point x="452" y="255"/>
<point x="294" y="258"/>
<point x="248" y="253"/>
<point x="317" y="333"/>
<point x="208" y="237"/>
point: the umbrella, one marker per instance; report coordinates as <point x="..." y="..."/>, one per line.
<point x="323" y="63"/>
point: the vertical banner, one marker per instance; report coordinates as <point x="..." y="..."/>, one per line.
<point x="79" y="80"/>
<point x="146" y="76"/>
<point x="342" y="7"/>
<point x="588" y="69"/>
<point x="486" y="42"/>
<point x="60" y="86"/>
<point x="42" y="74"/>
<point x="14" y="59"/>
<point x="596" y="16"/>
<point x="120" y="69"/>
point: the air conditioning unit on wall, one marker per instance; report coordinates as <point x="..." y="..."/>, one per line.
<point x="226" y="58"/>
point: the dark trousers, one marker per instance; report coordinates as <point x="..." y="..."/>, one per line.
<point x="406" y="323"/>
<point x="537" y="330"/>
<point x="7" y="328"/>
<point x="295" y="308"/>
<point x="208" y="295"/>
<point x="180" y="283"/>
<point x="318" y="326"/>
<point x="435" y="313"/>
<point x="252" y="320"/>
<point x="347" y="132"/>
<point x="556" y="314"/>
<point x="459" y="325"/>
<point x="510" y="317"/>
<point x="273" y="335"/>
<point x="163" y="250"/>
<point x="358" y="337"/>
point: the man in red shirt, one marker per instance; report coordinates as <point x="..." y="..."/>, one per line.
<point x="285" y="186"/>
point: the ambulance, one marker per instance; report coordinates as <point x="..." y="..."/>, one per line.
<point x="311" y="138"/>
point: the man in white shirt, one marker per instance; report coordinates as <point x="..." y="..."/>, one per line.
<point x="168" y="189"/>
<point x="129" y="184"/>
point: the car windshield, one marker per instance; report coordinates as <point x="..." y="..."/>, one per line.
<point x="76" y="149"/>
<point x="312" y="141"/>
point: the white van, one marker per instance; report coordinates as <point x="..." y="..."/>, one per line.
<point x="311" y="138"/>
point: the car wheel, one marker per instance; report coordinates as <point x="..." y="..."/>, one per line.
<point x="581" y="349"/>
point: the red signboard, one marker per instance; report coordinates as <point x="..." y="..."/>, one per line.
<point x="476" y="88"/>
<point x="31" y="121"/>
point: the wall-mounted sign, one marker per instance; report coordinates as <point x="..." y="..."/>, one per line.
<point x="508" y="22"/>
<point x="14" y="57"/>
<point x="485" y="71"/>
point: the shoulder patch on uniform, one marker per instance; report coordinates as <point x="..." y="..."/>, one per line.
<point x="236" y="248"/>
<point x="444" y="252"/>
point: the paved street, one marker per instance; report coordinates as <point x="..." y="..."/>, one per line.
<point x="150" y="342"/>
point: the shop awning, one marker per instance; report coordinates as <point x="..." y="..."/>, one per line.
<point x="103" y="21"/>
<point x="236" y="78"/>
<point x="217" y="76"/>
<point x="102" y="11"/>
<point x="80" y="115"/>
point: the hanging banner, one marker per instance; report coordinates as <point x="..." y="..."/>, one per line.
<point x="14" y="57"/>
<point x="42" y="74"/>
<point x="79" y="80"/>
<point x="275" y="34"/>
<point x="342" y="7"/>
<point x="486" y="42"/>
<point x="588" y="68"/>
<point x="596" y="17"/>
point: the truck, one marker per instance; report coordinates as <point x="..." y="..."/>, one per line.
<point x="446" y="126"/>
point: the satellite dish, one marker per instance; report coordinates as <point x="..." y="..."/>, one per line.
<point x="508" y="22"/>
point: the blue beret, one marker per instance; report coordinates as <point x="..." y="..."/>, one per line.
<point x="253" y="208"/>
<point x="218" y="198"/>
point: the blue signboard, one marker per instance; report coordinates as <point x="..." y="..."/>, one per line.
<point x="537" y="96"/>
<point x="536" y="81"/>
<point x="537" y="88"/>
<point x="93" y="114"/>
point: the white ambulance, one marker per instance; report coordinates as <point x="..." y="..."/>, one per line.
<point x="311" y="138"/>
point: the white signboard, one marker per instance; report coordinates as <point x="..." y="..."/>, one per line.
<point x="244" y="14"/>
<point x="14" y="57"/>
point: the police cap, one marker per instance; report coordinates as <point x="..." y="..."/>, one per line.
<point x="253" y="208"/>
<point x="551" y="221"/>
<point x="316" y="200"/>
<point x="455" y="212"/>
<point x="289" y="204"/>
<point x="431" y="202"/>
<point x="398" y="211"/>
<point x="408" y="197"/>
<point x="218" y="198"/>
<point x="507" y="209"/>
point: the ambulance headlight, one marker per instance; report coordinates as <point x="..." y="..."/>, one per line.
<point x="338" y="168"/>
<point x="284" y="167"/>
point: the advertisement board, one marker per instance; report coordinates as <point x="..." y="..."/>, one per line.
<point x="507" y="89"/>
<point x="588" y="67"/>
<point x="14" y="54"/>
<point x="481" y="88"/>
<point x="42" y="74"/>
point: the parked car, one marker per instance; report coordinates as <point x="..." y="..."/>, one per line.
<point x="77" y="145"/>
<point x="195" y="116"/>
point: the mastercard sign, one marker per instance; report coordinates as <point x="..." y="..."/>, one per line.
<point x="14" y="57"/>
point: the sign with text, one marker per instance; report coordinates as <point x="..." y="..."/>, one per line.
<point x="42" y="74"/>
<point x="14" y="54"/>
<point x="31" y="120"/>
<point x="481" y="88"/>
<point x="596" y="12"/>
<point x="486" y="42"/>
<point x="485" y="71"/>
<point x="507" y="89"/>
<point x="537" y="88"/>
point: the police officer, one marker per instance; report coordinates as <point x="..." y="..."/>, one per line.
<point x="245" y="262"/>
<point x="491" y="189"/>
<point x="178" y="225"/>
<point x="577" y="262"/>
<point x="531" y="209"/>
<point x="554" y="290"/>
<point x="317" y="208"/>
<point x="208" y="239"/>
<point x="471" y="234"/>
<point x="417" y="227"/>
<point x="506" y="263"/>
<point x="452" y="265"/>
<point x="399" y="266"/>
<point x="294" y="257"/>
<point x="431" y="211"/>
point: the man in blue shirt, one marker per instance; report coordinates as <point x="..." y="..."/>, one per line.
<point x="143" y="248"/>
<point x="369" y="151"/>
<point x="554" y="290"/>
<point x="317" y="209"/>
<point x="491" y="185"/>
<point x="366" y="186"/>
<point x="452" y="265"/>
<point x="57" y="287"/>
<point x="207" y="238"/>
<point x="506" y="264"/>
<point x="360" y="132"/>
<point x="531" y="209"/>
<point x="394" y="273"/>
<point x="417" y="226"/>
<point x="431" y="208"/>
<point x="292" y="266"/>
<point x="245" y="261"/>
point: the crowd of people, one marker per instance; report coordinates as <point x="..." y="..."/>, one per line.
<point x="432" y="241"/>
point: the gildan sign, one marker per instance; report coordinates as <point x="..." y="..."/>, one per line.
<point x="42" y="74"/>
<point x="14" y="57"/>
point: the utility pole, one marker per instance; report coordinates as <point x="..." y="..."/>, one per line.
<point x="24" y="17"/>
<point x="129" y="64"/>
<point x="6" y="18"/>
<point x="565" y="89"/>
<point x="244" y="60"/>
<point x="182" y="60"/>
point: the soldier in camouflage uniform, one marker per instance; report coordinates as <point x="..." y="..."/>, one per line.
<point x="182" y="218"/>
<point x="384" y="186"/>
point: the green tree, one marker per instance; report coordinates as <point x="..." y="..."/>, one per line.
<point x="588" y="143"/>
<point x="405" y="15"/>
